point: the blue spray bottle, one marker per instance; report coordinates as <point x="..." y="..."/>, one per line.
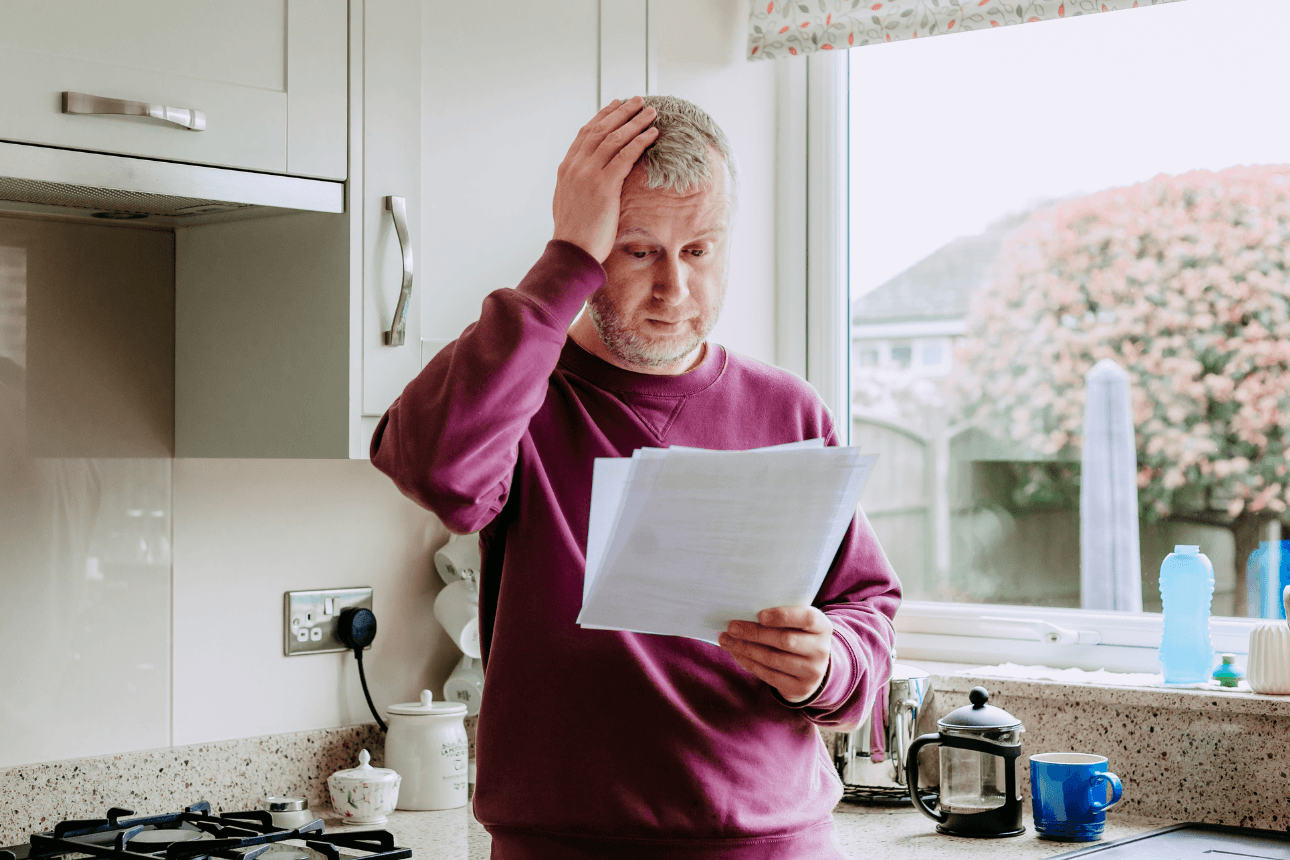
<point x="1187" y="593"/>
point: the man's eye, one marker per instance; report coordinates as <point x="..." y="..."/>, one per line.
<point x="638" y="254"/>
<point x="698" y="252"/>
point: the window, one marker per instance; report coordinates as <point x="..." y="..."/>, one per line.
<point x="902" y="355"/>
<point x="931" y="353"/>
<point x="1109" y="187"/>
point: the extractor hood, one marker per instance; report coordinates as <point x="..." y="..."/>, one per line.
<point x="45" y="180"/>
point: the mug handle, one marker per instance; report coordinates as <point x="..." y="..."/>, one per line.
<point x="911" y="776"/>
<point x="1095" y="791"/>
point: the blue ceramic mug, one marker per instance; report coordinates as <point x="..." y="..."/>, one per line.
<point x="1068" y="792"/>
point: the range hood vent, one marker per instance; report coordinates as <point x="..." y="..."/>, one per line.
<point x="109" y="201"/>
<point x="70" y="183"/>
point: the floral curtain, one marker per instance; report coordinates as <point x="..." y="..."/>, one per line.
<point x="777" y="28"/>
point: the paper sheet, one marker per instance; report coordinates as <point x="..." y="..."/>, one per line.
<point x="681" y="541"/>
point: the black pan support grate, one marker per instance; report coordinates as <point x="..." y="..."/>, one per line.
<point x="236" y="836"/>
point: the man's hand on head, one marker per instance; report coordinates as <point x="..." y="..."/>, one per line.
<point x="590" y="180"/>
<point x="788" y="648"/>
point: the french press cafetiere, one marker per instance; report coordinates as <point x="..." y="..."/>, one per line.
<point x="979" y="746"/>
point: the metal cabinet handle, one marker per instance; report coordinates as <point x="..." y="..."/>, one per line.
<point x="398" y="207"/>
<point x="193" y="120"/>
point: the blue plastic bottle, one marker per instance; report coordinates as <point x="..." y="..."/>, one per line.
<point x="1187" y="593"/>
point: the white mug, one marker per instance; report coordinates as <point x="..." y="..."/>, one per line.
<point x="459" y="559"/>
<point x="466" y="684"/>
<point x="457" y="608"/>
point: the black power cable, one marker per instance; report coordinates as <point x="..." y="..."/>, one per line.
<point x="356" y="628"/>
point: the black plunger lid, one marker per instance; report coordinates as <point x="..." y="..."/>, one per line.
<point x="979" y="715"/>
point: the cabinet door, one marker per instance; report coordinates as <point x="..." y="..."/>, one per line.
<point x="268" y="75"/>
<point x="392" y="55"/>
<point x="497" y="122"/>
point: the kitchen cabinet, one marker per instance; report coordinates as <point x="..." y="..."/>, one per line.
<point x="269" y="77"/>
<point x="499" y="120"/>
<point x="281" y="321"/>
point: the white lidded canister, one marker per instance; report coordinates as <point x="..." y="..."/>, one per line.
<point x="427" y="746"/>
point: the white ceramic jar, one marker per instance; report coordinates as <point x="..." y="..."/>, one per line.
<point x="427" y="745"/>
<point x="364" y="794"/>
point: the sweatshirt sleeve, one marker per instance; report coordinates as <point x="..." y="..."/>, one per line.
<point x="451" y="439"/>
<point x="860" y="596"/>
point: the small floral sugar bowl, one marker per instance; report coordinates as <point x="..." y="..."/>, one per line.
<point x="364" y="794"/>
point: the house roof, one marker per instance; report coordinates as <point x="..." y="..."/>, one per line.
<point x="940" y="285"/>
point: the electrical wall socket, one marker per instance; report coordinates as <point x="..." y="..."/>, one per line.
<point x="310" y="618"/>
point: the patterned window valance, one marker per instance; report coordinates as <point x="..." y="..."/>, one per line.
<point x="777" y="28"/>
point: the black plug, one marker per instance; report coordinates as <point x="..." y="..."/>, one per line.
<point x="356" y="628"/>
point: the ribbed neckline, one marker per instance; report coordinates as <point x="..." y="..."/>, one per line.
<point x="611" y="378"/>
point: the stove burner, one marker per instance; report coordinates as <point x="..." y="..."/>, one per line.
<point x="286" y="853"/>
<point x="159" y="839"/>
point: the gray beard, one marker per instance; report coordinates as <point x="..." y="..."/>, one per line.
<point x="628" y="345"/>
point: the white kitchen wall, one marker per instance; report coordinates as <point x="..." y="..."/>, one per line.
<point x="246" y="531"/>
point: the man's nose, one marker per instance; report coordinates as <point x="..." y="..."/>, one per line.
<point x="670" y="284"/>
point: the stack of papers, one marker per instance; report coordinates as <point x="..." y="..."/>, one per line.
<point x="681" y="541"/>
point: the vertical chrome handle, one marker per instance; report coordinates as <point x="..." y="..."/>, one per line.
<point x="193" y="120"/>
<point x="398" y="207"/>
<point x="906" y="712"/>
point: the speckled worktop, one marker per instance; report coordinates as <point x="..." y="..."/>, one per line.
<point x="862" y="832"/>
<point x="1204" y="756"/>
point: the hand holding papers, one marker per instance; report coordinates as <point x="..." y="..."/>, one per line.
<point x="681" y="541"/>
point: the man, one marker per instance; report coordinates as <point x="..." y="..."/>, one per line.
<point x="596" y="743"/>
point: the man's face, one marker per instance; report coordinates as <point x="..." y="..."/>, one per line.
<point x="666" y="273"/>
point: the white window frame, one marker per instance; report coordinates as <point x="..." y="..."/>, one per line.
<point x="813" y="340"/>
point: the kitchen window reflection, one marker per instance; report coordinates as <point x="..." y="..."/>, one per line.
<point x="1036" y="223"/>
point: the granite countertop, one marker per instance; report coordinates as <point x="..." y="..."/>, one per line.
<point x="863" y="832"/>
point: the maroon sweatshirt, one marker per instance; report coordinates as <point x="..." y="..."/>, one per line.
<point x="597" y="743"/>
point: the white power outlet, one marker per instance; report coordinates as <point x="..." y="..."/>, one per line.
<point x="310" y="618"/>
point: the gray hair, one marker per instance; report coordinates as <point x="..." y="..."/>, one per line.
<point x="680" y="157"/>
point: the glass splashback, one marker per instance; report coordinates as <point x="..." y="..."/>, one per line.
<point x="86" y="440"/>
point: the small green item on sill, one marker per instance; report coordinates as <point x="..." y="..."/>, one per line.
<point x="1227" y="675"/>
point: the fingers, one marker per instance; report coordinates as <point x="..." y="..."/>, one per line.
<point x="628" y="113"/>
<point x="623" y="162"/>
<point x="626" y="134"/>
<point x="586" y="129"/>
<point x="788" y="641"/>
<point x="806" y="618"/>
<point x="783" y="662"/>
<point x="778" y="680"/>
<point x="795" y="678"/>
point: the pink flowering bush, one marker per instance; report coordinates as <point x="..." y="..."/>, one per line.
<point x="1183" y="280"/>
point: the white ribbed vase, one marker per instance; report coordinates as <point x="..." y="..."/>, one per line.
<point x="1268" y="669"/>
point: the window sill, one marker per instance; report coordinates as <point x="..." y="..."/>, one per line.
<point x="959" y="678"/>
<point x="988" y="634"/>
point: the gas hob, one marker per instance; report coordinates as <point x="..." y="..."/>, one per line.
<point x="196" y="834"/>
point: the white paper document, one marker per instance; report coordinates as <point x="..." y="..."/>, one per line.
<point x="681" y="541"/>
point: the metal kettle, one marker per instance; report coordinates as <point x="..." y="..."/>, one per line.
<point x="980" y="794"/>
<point x="904" y="710"/>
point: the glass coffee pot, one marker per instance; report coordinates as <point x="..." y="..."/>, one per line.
<point x="980" y="794"/>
